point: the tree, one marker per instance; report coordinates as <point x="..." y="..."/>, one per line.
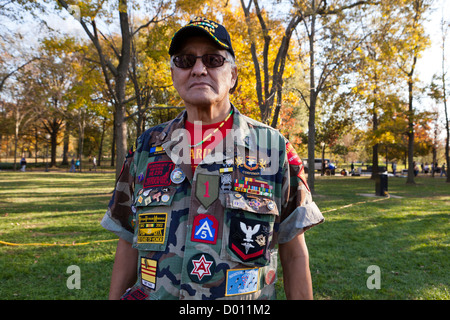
<point x="411" y="42"/>
<point x="439" y="93"/>
<point x="114" y="68"/>
<point x="328" y="25"/>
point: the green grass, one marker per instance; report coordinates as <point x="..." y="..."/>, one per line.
<point x="54" y="208"/>
<point x="407" y="238"/>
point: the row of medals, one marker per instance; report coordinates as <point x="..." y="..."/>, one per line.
<point x="177" y="176"/>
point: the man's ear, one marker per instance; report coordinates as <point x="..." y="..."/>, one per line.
<point x="234" y="77"/>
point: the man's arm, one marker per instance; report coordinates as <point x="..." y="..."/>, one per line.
<point x="124" y="272"/>
<point x="296" y="274"/>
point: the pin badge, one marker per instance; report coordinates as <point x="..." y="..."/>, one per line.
<point x="270" y="205"/>
<point x="165" y="198"/>
<point x="177" y="176"/>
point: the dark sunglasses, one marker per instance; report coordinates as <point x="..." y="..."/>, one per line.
<point x="186" y="61"/>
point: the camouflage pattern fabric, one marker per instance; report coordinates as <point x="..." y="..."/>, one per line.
<point x="211" y="234"/>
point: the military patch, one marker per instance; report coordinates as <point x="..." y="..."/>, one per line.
<point x="151" y="227"/>
<point x="205" y="229"/>
<point x="155" y="150"/>
<point x="270" y="277"/>
<point x="207" y="189"/>
<point x="201" y="267"/>
<point x="248" y="238"/>
<point x="136" y="294"/>
<point x="177" y="176"/>
<point x="292" y="155"/>
<point x="241" y="281"/>
<point x="253" y="186"/>
<point x="148" y="272"/>
<point x="250" y="166"/>
<point x="158" y="174"/>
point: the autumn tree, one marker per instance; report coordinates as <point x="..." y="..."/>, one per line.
<point x="114" y="68"/>
<point x="331" y="38"/>
<point x="410" y="43"/>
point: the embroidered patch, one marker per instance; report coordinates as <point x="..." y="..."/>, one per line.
<point x="248" y="238"/>
<point x="207" y="189"/>
<point x="271" y="276"/>
<point x="292" y="155"/>
<point x="152" y="227"/>
<point x="241" y="281"/>
<point x="251" y="166"/>
<point x="137" y="294"/>
<point x="201" y="267"/>
<point x="204" y="229"/>
<point x="155" y="150"/>
<point x="158" y="174"/>
<point x="148" y="272"/>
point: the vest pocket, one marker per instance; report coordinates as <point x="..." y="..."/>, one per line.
<point x="248" y="229"/>
<point x="152" y="219"/>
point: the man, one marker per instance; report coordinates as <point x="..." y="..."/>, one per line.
<point x="203" y="200"/>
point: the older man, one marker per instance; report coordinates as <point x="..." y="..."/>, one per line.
<point x="204" y="201"/>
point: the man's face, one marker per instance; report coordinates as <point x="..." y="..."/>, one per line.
<point x="200" y="86"/>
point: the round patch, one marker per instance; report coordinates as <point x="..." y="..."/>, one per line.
<point x="201" y="267"/>
<point x="177" y="176"/>
<point x="165" y="198"/>
<point x="270" y="276"/>
<point x="270" y="205"/>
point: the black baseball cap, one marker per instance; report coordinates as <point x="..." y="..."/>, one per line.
<point x="199" y="25"/>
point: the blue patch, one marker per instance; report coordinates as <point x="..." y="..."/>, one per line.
<point x="204" y="229"/>
<point x="242" y="281"/>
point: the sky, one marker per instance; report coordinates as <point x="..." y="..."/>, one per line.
<point x="431" y="61"/>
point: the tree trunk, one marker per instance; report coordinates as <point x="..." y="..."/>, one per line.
<point x="375" y="146"/>
<point x="122" y="69"/>
<point x="312" y="106"/>
<point x="410" y="179"/>
<point x="100" y="148"/>
<point x="65" y="160"/>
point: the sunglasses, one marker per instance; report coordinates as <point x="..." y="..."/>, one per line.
<point x="186" y="61"/>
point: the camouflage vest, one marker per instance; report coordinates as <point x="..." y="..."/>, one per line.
<point x="211" y="234"/>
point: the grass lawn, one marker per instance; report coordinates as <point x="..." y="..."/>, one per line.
<point x="406" y="236"/>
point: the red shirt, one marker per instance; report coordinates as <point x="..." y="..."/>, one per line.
<point x="199" y="132"/>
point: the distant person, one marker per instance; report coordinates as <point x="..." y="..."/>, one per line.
<point x="23" y="164"/>
<point x="416" y="169"/>
<point x="443" y="172"/>
<point x="94" y="163"/>
<point x="394" y="168"/>
<point x="72" y="165"/>
<point x="77" y="164"/>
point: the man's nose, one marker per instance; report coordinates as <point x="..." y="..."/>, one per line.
<point x="199" y="68"/>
